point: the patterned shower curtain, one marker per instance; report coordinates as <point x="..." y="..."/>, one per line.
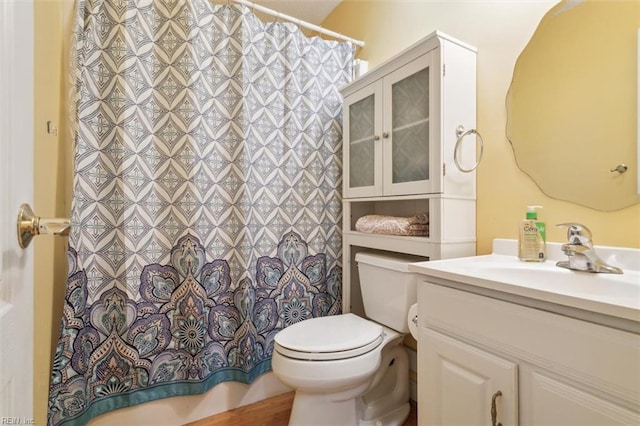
<point x="206" y="211"/>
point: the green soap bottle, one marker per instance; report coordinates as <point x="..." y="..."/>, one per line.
<point x="532" y="241"/>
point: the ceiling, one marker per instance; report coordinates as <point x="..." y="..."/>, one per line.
<point x="313" y="11"/>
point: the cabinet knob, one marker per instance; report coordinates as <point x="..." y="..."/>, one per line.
<point x="376" y="138"/>
<point x="494" y="410"/>
<point x="385" y="135"/>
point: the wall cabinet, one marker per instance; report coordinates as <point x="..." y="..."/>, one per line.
<point x="485" y="361"/>
<point x="399" y="125"/>
<point x="400" y="122"/>
<point x="391" y="150"/>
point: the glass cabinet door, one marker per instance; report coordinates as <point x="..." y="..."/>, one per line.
<point x="410" y="128"/>
<point x="409" y="166"/>
<point x="361" y="143"/>
<point x="362" y="150"/>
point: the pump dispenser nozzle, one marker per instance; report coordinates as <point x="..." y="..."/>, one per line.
<point x="532" y="213"/>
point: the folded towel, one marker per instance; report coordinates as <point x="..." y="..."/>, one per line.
<point x="419" y="219"/>
<point x="417" y="225"/>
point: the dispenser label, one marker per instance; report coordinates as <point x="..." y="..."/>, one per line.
<point x="542" y="229"/>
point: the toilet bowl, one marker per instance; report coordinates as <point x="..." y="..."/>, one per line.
<point x="348" y="370"/>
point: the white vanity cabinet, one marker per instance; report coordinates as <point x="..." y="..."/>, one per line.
<point x="491" y="352"/>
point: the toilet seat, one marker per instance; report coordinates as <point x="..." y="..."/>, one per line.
<point x="329" y="338"/>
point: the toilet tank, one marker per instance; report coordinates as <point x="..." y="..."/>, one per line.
<point x="388" y="288"/>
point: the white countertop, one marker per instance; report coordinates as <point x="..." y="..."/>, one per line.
<point x="615" y="295"/>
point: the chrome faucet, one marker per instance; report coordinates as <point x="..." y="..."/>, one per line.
<point x="581" y="253"/>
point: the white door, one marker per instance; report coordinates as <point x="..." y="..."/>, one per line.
<point x="16" y="187"/>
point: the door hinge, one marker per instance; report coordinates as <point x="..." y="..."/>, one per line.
<point x="444" y="69"/>
<point x="444" y="169"/>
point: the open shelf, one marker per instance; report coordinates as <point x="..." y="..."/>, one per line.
<point x="419" y="246"/>
<point x="398" y="206"/>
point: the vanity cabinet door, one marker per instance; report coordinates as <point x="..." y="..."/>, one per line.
<point x="460" y="384"/>
<point x="548" y="400"/>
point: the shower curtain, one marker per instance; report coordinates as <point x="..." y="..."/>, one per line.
<point x="206" y="210"/>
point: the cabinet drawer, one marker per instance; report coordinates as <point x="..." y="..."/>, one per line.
<point x="597" y="356"/>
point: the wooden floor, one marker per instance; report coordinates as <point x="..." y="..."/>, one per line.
<point x="270" y="412"/>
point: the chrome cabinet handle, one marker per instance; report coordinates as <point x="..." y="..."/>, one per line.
<point x="494" y="410"/>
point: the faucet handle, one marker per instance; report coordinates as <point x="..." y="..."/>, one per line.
<point x="577" y="233"/>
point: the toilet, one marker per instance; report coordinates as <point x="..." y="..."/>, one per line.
<point x="348" y="370"/>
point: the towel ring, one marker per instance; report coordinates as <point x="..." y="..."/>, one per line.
<point x="460" y="134"/>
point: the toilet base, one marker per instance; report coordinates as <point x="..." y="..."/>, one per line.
<point x="395" y="417"/>
<point x="319" y="410"/>
<point x="386" y="403"/>
<point x="382" y="401"/>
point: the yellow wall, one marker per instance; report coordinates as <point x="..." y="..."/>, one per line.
<point x="499" y="30"/>
<point x="52" y="164"/>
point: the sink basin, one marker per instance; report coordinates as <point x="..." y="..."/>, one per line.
<point x="548" y="276"/>
<point x="610" y="294"/>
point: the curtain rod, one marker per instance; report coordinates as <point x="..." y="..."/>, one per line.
<point x="299" y="22"/>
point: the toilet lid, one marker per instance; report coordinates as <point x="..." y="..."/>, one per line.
<point x="327" y="338"/>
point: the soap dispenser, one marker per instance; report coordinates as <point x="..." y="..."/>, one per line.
<point x="532" y="244"/>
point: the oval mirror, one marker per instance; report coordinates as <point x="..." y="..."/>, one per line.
<point x="572" y="108"/>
